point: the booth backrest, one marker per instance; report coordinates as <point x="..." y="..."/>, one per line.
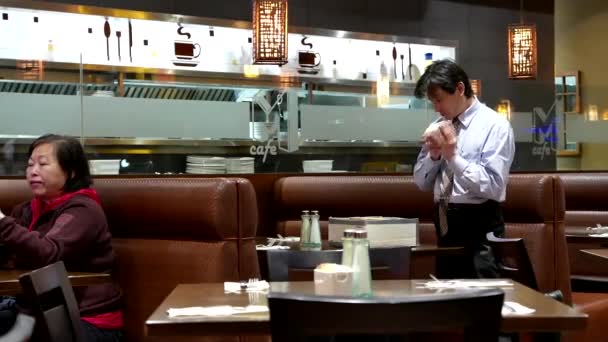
<point x="340" y="196"/>
<point x="586" y="200"/>
<point x="13" y="192"/>
<point x="586" y="206"/>
<point x="168" y="231"/>
<point x="534" y="211"/>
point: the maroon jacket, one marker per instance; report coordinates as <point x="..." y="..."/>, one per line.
<point x="75" y="232"/>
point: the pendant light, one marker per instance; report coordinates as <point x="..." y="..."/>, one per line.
<point x="522" y="49"/>
<point x="270" y="32"/>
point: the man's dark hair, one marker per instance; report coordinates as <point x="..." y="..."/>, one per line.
<point x="444" y="74"/>
<point x="71" y="158"/>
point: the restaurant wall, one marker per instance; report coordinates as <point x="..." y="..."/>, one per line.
<point x="580" y="35"/>
<point x="480" y="30"/>
<point x="580" y="30"/>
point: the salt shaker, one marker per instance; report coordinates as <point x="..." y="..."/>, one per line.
<point x="315" y="231"/>
<point x="305" y="229"/>
<point x="362" y="276"/>
<point x="347" y="247"/>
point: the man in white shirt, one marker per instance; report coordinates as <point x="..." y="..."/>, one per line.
<point x="465" y="161"/>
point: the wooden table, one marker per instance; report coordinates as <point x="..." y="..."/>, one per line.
<point x="9" y="280"/>
<point x="587" y="239"/>
<point x="550" y="315"/>
<point x="601" y="253"/>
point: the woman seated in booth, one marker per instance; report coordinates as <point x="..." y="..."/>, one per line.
<point x="65" y="221"/>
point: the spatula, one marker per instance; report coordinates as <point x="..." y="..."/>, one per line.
<point x="107" y="32"/>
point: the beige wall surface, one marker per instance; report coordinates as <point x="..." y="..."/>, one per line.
<point x="581" y="28"/>
<point x="594" y="156"/>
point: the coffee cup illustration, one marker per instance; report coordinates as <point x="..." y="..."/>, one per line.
<point x="187" y="50"/>
<point x="309" y="59"/>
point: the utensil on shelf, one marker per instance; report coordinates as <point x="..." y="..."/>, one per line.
<point x="107" y="31"/>
<point x="409" y="58"/>
<point x="395" y="61"/>
<point x="413" y="73"/>
<point x="402" y="70"/>
<point x="130" y="41"/>
<point x="118" y="35"/>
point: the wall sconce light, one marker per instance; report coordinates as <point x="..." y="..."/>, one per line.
<point x="270" y="32"/>
<point x="476" y="85"/>
<point x="504" y="109"/>
<point x="592" y="114"/>
<point x="605" y="116"/>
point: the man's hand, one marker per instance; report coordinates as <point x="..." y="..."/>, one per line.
<point x="448" y="148"/>
<point x="433" y="141"/>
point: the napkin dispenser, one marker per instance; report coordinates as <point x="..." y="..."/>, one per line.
<point x="333" y="280"/>
<point x="381" y="231"/>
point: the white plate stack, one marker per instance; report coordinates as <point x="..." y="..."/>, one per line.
<point x="317" y="166"/>
<point x="240" y="165"/>
<point x="104" y="167"/>
<point x="205" y="165"/>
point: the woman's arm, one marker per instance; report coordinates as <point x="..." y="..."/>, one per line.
<point x="73" y="233"/>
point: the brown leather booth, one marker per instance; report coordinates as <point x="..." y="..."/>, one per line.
<point x="168" y="231"/>
<point x="586" y="204"/>
<point x="586" y="196"/>
<point x="533" y="211"/>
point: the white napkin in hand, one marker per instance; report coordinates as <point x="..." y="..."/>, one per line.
<point x="515" y="308"/>
<point x="433" y="127"/>
<point x="219" y="310"/>
<point x="260" y="285"/>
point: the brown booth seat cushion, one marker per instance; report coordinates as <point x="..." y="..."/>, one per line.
<point x="530" y="212"/>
